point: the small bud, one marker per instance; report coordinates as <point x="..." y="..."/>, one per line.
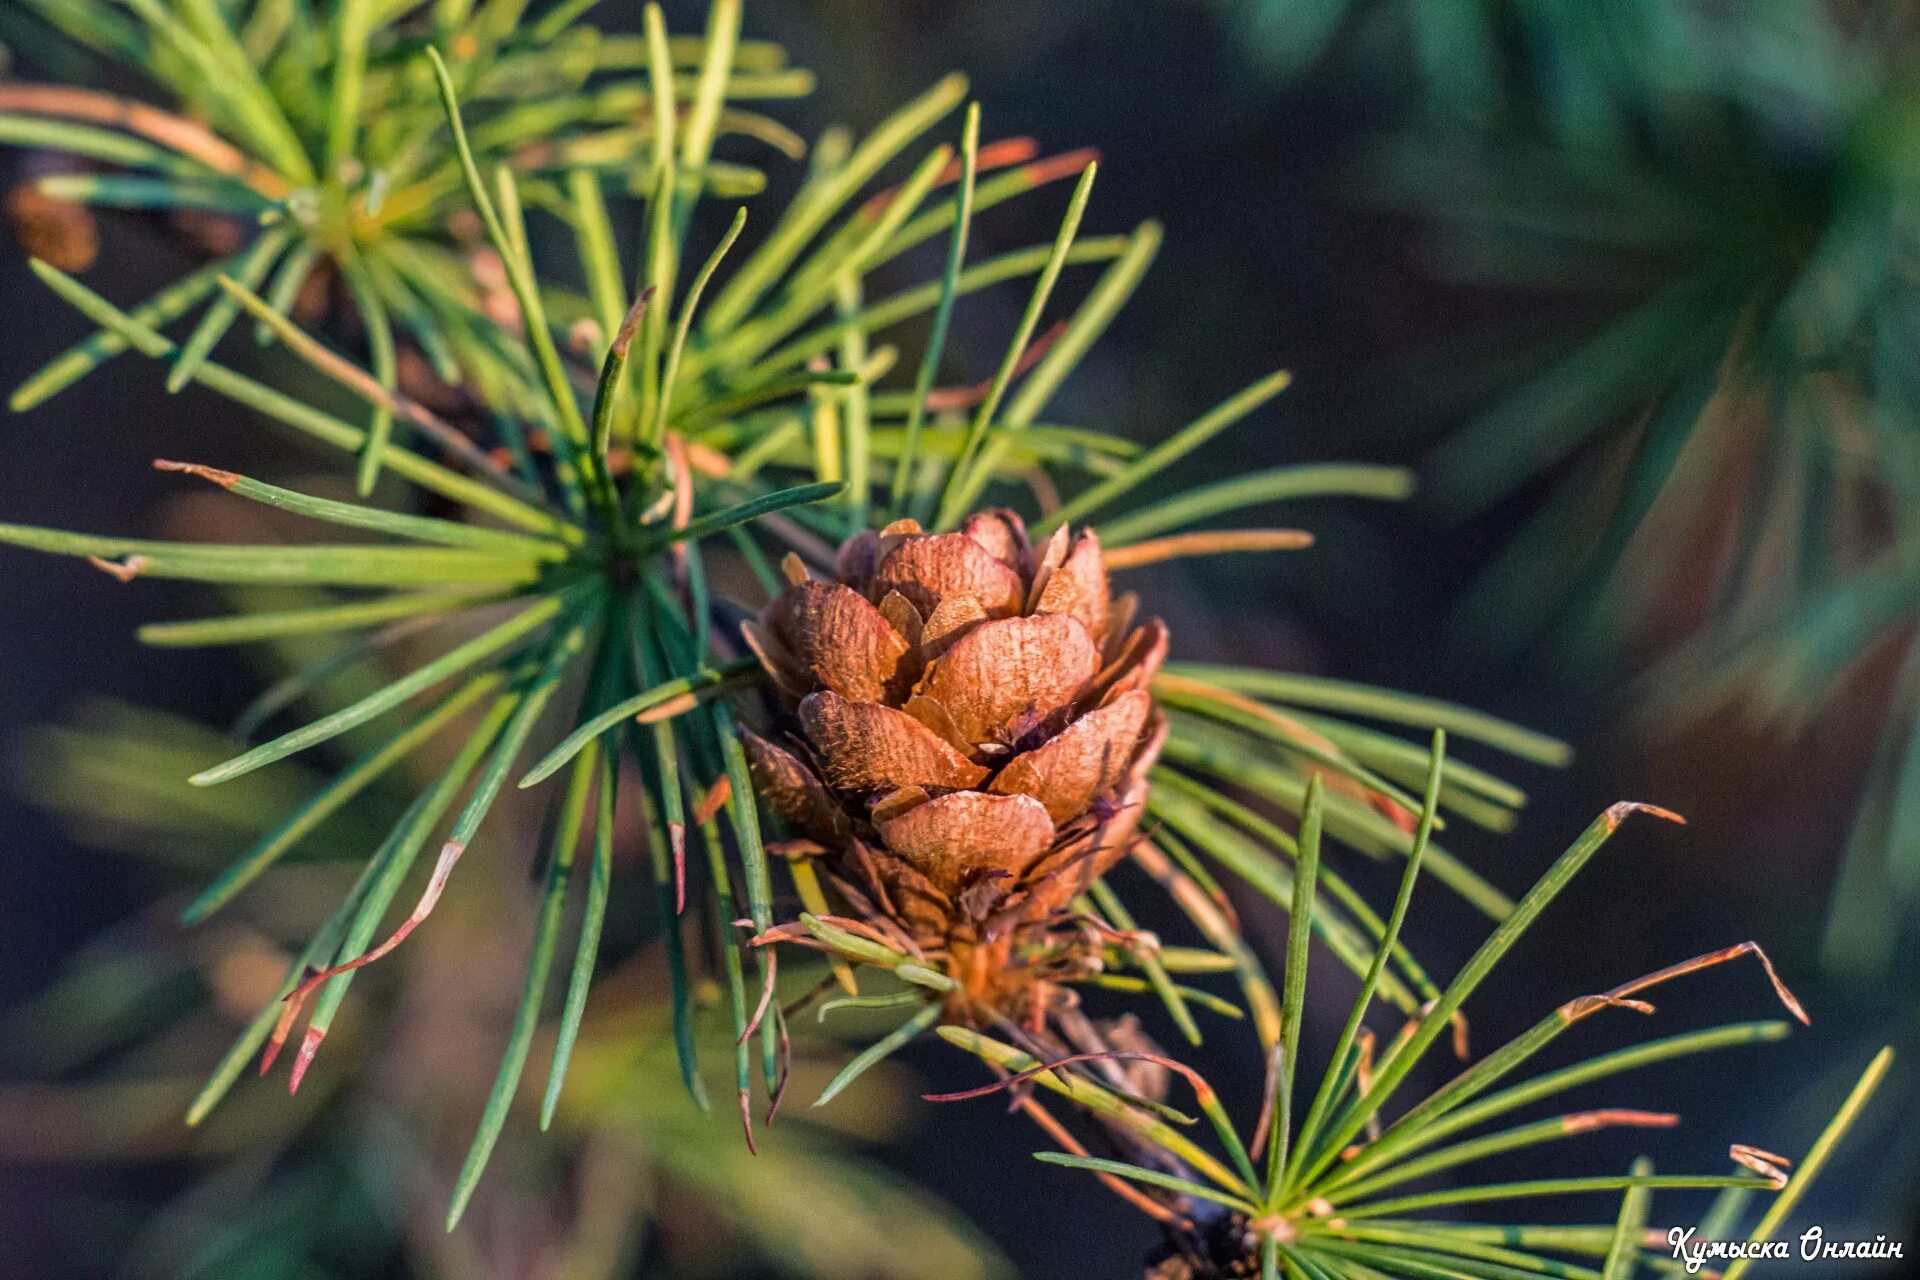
<point x="60" y="232"/>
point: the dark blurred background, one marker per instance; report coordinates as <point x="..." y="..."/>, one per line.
<point x="1275" y="257"/>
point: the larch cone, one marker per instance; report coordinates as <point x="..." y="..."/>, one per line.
<point x="970" y="739"/>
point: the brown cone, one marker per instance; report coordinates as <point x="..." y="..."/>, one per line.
<point x="972" y="729"/>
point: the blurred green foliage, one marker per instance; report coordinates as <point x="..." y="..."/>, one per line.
<point x="304" y="146"/>
<point x="349" y="1179"/>
<point x="1705" y="220"/>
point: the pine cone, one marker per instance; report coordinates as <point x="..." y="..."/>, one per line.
<point x="974" y="727"/>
